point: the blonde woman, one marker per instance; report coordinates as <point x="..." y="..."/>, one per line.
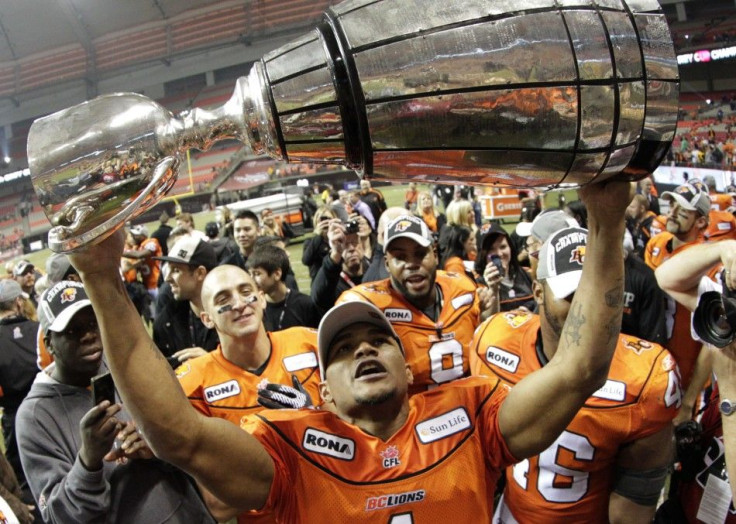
<point x="426" y="211"/>
<point x="460" y="213"/>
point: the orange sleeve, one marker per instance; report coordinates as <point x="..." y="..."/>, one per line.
<point x="661" y="398"/>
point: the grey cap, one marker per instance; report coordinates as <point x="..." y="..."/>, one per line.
<point x="690" y="198"/>
<point x="58" y="267"/>
<point x="9" y="290"/>
<point x="545" y="224"/>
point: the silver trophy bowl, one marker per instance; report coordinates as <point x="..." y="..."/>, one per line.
<point x="532" y="93"/>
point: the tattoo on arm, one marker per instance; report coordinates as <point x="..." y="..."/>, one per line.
<point x="615" y="296"/>
<point x="575" y="320"/>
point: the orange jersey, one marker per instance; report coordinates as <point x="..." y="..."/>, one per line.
<point x="440" y="466"/>
<point x="150" y="268"/>
<point x="720" y="201"/>
<point x="436" y="351"/>
<point x="721" y="226"/>
<point x="679" y="340"/>
<point x="218" y="388"/>
<point x="572" y="480"/>
<point x="658" y="225"/>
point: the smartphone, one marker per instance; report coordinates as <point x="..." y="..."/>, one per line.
<point x="103" y="388"/>
<point x="496" y="261"/>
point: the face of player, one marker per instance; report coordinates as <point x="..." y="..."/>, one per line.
<point x="413" y="269"/>
<point x="501" y="248"/>
<point x="553" y="310"/>
<point x="183" y="281"/>
<point x="77" y="350"/>
<point x="365" y="367"/>
<point x="266" y="283"/>
<point x="680" y="221"/>
<point x="245" y="231"/>
<point x="231" y="287"/>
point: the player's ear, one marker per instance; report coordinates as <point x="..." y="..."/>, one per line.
<point x="538" y="292"/>
<point x="206" y="320"/>
<point x="324" y="393"/>
<point x="409" y="375"/>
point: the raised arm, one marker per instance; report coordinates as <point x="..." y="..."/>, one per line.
<point x="541" y="405"/>
<point x="223" y="458"/>
<point x="679" y="276"/>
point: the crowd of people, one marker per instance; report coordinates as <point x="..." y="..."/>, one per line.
<point x="439" y="366"/>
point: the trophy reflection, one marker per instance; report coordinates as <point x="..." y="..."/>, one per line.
<point x="456" y="91"/>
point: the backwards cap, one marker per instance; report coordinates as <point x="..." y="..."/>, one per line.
<point x="561" y="260"/>
<point x="344" y="315"/>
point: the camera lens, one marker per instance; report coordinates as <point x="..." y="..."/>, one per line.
<point x="714" y="319"/>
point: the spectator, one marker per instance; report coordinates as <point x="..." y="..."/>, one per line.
<point x="377" y="268"/>
<point x="58" y="268"/>
<point x="362" y="208"/>
<point x="374" y="199"/>
<point x="269" y="225"/>
<point x="17" y="369"/>
<point x="410" y="197"/>
<point x="315" y="248"/>
<point x="639" y="223"/>
<point x="178" y="330"/>
<point x="434" y="219"/>
<point x="186" y="221"/>
<point x="25" y="274"/>
<point x="514" y="284"/>
<point x="646" y="188"/>
<point x="339" y="203"/>
<point x="161" y="233"/>
<point x="245" y="232"/>
<point x="576" y="210"/>
<point x="342" y="269"/>
<point x="460" y="213"/>
<point x="66" y="442"/>
<point x="145" y="251"/>
<point x="285" y="307"/>
<point x="458" y="250"/>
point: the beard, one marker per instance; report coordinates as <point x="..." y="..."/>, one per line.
<point x="417" y="300"/>
<point x="377" y="400"/>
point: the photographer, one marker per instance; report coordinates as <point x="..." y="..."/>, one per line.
<point x="685" y="277"/>
<point x="344" y="266"/>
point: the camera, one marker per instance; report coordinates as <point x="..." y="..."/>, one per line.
<point x="352" y="226"/>
<point x="714" y="319"/>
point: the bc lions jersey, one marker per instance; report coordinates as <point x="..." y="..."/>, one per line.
<point x="572" y="480"/>
<point x="440" y="466"/>
<point x="679" y="342"/>
<point x="435" y="351"/>
<point x="218" y="388"/>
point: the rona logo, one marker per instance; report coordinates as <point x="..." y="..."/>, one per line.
<point x="328" y="444"/>
<point x="398" y="315"/>
<point x="221" y="391"/>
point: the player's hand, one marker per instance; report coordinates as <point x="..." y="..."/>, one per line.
<point x="185" y="354"/>
<point x="102" y="258"/>
<point x="131" y="445"/>
<point x="98" y="428"/>
<point x="606" y="202"/>
<point x="279" y="396"/>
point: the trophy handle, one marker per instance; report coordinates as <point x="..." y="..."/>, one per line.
<point x="63" y="239"/>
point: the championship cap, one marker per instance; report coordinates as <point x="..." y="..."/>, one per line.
<point x="139" y="230"/>
<point x="58" y="267"/>
<point x="546" y="223"/>
<point x="561" y="260"/>
<point x="408" y="226"/>
<point x="9" y="290"/>
<point x="344" y="315"/>
<point x="60" y="303"/>
<point x="688" y="197"/>
<point x="193" y="252"/>
<point x="22" y="267"/>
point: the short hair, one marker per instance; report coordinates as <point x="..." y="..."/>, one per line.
<point x="268" y="240"/>
<point x="269" y="258"/>
<point x="642" y="201"/>
<point x="186" y="217"/>
<point x="247" y="213"/>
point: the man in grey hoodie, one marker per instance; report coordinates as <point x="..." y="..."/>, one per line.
<point x="66" y="442"/>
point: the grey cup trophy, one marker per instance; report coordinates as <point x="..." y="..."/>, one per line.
<point x="519" y="93"/>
